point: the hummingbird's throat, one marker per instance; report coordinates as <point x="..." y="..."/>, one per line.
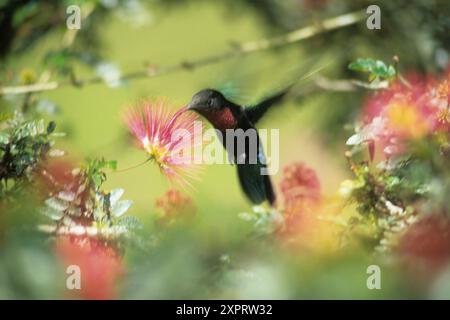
<point x="222" y="120"/>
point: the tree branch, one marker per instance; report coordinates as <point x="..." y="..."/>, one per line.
<point x="345" y="85"/>
<point x="237" y="49"/>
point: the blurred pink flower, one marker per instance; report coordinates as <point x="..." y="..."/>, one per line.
<point x="168" y="138"/>
<point x="303" y="228"/>
<point x="174" y="205"/>
<point x="300" y="187"/>
<point x="425" y="246"/>
<point x="407" y="110"/>
<point x="100" y="263"/>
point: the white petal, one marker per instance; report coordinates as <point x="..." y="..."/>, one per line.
<point x="121" y="207"/>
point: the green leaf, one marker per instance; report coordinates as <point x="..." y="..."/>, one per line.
<point x="376" y="69"/>
<point x="51" y="127"/>
<point x="362" y="65"/>
<point x="391" y="72"/>
<point x="97" y="180"/>
<point x="4" y="138"/>
<point x="112" y="164"/>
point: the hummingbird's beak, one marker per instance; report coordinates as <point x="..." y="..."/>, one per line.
<point x="196" y="104"/>
<point x="194" y="107"/>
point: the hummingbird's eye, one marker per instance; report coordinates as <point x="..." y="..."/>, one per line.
<point x="209" y="102"/>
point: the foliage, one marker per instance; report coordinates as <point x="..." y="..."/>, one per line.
<point x="83" y="207"/>
<point x="406" y="181"/>
<point x="23" y="144"/>
<point x="376" y="69"/>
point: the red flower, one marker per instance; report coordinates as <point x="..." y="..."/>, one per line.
<point x="426" y="244"/>
<point x="304" y="227"/>
<point x="100" y="266"/>
<point x="300" y="187"/>
<point x="443" y="89"/>
<point x="168" y="138"/>
<point x="406" y="110"/>
<point x="59" y="174"/>
<point x="301" y="193"/>
<point x="173" y="204"/>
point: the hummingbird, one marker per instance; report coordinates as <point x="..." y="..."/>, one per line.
<point x="224" y="115"/>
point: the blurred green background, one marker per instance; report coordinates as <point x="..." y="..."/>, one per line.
<point x="217" y="255"/>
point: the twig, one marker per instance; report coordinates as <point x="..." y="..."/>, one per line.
<point x="348" y="84"/>
<point x="239" y="49"/>
<point x="36" y="87"/>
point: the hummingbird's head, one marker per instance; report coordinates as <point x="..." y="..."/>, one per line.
<point x="212" y="105"/>
<point x="207" y="100"/>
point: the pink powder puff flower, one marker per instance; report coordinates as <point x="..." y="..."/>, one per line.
<point x="300" y="188"/>
<point x="168" y="138"/>
<point x="407" y="110"/>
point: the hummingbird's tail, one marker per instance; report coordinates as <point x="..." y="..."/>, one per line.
<point x="257" y="187"/>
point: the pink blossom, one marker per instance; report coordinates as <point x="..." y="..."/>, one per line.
<point x="168" y="138"/>
<point x="409" y="109"/>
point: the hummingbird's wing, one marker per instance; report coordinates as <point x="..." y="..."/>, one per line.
<point x="254" y="113"/>
<point x="247" y="81"/>
<point x="257" y="111"/>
